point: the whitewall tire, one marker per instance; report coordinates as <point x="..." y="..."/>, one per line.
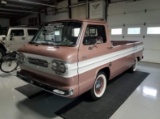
<point x="134" y="66"/>
<point x="99" y="87"/>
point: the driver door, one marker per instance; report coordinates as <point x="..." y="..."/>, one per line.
<point x="93" y="45"/>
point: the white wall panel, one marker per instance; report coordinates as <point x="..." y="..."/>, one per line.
<point x="133" y="14"/>
<point x="61" y="13"/>
<point x="79" y="12"/>
<point x="58" y="16"/>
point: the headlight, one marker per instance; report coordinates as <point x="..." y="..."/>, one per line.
<point x="62" y="68"/>
<point x="20" y="58"/>
<point x="58" y="66"/>
<point x="54" y="66"/>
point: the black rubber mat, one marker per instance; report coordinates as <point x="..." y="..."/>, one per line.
<point x="30" y="91"/>
<point x="118" y="90"/>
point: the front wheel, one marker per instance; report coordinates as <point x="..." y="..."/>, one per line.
<point x="99" y="87"/>
<point x="8" y="66"/>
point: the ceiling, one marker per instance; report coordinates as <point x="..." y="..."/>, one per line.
<point x="21" y="8"/>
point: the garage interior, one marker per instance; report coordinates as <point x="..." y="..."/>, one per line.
<point x="128" y="20"/>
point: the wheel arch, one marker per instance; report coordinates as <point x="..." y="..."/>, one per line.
<point x="106" y="70"/>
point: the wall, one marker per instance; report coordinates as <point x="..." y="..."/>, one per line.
<point x="78" y="12"/>
<point x="143" y="14"/>
<point x="4" y="22"/>
<point x="61" y="13"/>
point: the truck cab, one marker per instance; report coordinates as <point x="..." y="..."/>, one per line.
<point x="70" y="57"/>
<point x="13" y="38"/>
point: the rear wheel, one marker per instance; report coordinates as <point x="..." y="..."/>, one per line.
<point x="134" y="66"/>
<point x="99" y="87"/>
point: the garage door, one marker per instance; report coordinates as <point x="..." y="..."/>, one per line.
<point x="139" y="20"/>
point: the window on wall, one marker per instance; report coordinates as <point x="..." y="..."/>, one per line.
<point x="116" y="31"/>
<point x="153" y="30"/>
<point x="134" y="31"/>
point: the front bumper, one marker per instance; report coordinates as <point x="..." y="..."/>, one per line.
<point x="46" y="87"/>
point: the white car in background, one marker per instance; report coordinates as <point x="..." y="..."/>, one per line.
<point x="13" y="38"/>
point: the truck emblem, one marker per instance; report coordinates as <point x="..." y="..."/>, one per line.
<point x="95" y="6"/>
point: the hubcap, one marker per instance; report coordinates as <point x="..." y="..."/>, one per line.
<point x="99" y="85"/>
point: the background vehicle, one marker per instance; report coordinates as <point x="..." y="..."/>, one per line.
<point x="13" y="38"/>
<point x="70" y="57"/>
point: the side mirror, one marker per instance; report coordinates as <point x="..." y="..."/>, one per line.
<point x="4" y="37"/>
<point x="11" y="37"/>
<point x="93" y="44"/>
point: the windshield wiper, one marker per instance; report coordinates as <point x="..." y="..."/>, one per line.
<point x="32" y="42"/>
<point x="49" y="43"/>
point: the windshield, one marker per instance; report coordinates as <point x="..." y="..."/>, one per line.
<point x="58" y="33"/>
<point x="3" y="31"/>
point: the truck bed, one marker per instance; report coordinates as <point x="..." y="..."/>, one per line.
<point x="116" y="43"/>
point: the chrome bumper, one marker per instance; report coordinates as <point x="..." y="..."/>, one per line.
<point x="46" y="87"/>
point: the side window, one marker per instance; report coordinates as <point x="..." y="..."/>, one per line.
<point x="32" y="32"/>
<point x="18" y="32"/>
<point x="94" y="34"/>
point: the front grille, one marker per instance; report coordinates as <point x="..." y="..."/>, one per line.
<point x="39" y="62"/>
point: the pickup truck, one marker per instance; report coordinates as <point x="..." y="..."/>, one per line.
<point x="12" y="38"/>
<point x="71" y="57"/>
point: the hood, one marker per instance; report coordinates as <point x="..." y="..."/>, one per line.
<point x="67" y="54"/>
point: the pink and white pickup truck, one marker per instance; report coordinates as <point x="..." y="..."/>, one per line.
<point x="70" y="57"/>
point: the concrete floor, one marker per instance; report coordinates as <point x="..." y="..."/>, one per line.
<point x="144" y="103"/>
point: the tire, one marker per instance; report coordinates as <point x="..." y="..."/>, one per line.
<point x="8" y="66"/>
<point x="2" y="53"/>
<point x="134" y="66"/>
<point x="99" y="86"/>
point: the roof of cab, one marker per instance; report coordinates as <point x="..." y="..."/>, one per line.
<point x="82" y="20"/>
